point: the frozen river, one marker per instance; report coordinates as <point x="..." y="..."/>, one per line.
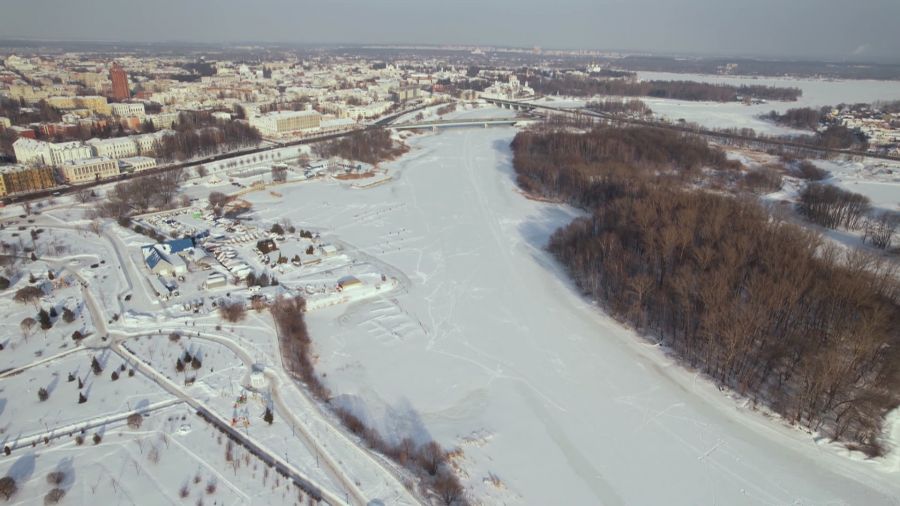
<point x="492" y="350"/>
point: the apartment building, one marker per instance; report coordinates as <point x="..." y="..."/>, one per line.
<point x="35" y="152"/>
<point x="21" y="178"/>
<point x="127" y="109"/>
<point x="115" y="148"/>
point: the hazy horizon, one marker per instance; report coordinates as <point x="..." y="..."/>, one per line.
<point x="801" y="29"/>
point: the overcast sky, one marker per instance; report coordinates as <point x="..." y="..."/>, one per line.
<point x="836" y="29"/>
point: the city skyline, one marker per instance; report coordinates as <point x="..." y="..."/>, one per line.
<point x="804" y="29"/>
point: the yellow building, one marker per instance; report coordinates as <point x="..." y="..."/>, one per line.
<point x="95" y="103"/>
<point x="19" y="178"/>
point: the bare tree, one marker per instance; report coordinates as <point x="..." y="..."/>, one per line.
<point x="8" y="487"/>
<point x="880" y="229"/>
<point x="232" y="311"/>
<point x="30" y="294"/>
<point x="431" y="456"/>
<point x="27" y="326"/>
<point x="84" y="195"/>
<point x="448" y="488"/>
<point x="96" y="226"/>
<point x="54" y="496"/>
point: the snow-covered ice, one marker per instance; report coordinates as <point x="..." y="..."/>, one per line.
<point x="491" y="349"/>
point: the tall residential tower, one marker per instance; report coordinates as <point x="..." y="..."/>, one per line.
<point x="119" y="82"/>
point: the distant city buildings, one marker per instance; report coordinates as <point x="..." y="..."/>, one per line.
<point x="510" y="90"/>
<point x="63" y="99"/>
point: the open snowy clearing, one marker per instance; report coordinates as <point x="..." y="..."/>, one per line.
<point x="492" y="350"/>
<point x="173" y="458"/>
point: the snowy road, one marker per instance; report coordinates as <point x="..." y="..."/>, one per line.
<point x="492" y="350"/>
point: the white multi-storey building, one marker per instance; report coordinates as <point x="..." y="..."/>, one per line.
<point x="124" y="147"/>
<point x="275" y="123"/>
<point x="115" y="148"/>
<point x="35" y="152"/>
<point x="127" y="109"/>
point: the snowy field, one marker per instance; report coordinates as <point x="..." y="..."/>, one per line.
<point x="491" y="350"/>
<point x="877" y="179"/>
<point x="173" y="458"/>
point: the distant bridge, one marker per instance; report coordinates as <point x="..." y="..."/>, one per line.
<point x="448" y="123"/>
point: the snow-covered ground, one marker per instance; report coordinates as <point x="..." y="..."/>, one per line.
<point x="492" y="350"/>
<point x="173" y="458"/>
<point x="816" y="93"/>
<point x="877" y="179"/>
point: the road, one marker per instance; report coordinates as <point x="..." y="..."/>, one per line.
<point x="113" y="338"/>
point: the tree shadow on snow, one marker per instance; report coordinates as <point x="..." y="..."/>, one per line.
<point x="537" y="228"/>
<point x="23" y="468"/>
<point x="397" y="422"/>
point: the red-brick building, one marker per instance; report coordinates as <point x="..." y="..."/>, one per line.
<point x="119" y="83"/>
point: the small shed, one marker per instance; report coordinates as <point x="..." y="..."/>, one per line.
<point x="328" y="249"/>
<point x="266" y="246"/>
<point x="349" y="283"/>
<point x="216" y="280"/>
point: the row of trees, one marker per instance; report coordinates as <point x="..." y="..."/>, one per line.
<point x="681" y="90"/>
<point x="760" y="305"/>
<point x="833" y="207"/>
<point x="617" y="106"/>
<point x="295" y="343"/>
<point x="428" y="460"/>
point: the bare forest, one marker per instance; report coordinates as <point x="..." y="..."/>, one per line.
<point x="681" y="90"/>
<point x="804" y="118"/>
<point x="759" y="305"/>
<point x="370" y="146"/>
<point x="199" y="134"/>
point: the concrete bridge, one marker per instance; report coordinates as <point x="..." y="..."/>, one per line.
<point x="449" y="123"/>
